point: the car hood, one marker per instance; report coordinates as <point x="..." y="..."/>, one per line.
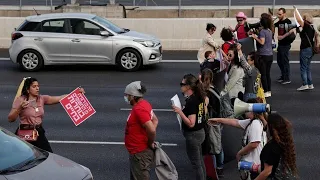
<point x="137" y="35"/>
<point x="53" y="168"/>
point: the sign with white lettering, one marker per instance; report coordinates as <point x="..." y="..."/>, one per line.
<point x="77" y="106"/>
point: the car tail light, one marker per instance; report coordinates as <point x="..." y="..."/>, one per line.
<point x="16" y="36"/>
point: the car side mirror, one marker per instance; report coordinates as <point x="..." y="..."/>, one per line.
<point x="105" y="33"/>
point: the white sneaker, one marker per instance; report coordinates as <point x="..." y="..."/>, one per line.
<point x="311" y="86"/>
<point x="302" y="88"/>
<point x="269" y="93"/>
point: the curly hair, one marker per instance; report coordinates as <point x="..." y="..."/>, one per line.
<point x="280" y="130"/>
<point x="226" y="34"/>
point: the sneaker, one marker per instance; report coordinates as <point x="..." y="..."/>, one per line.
<point x="311" y="86"/>
<point x="267" y="94"/>
<point x="302" y="88"/>
<point x="286" y="82"/>
<point x="280" y="80"/>
<point x="220" y="173"/>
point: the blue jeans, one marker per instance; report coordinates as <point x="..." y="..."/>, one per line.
<point x="219" y="159"/>
<point x="305" y="60"/>
<point x="283" y="61"/>
<point x="248" y="96"/>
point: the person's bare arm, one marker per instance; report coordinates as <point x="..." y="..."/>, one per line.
<point x="151" y="132"/>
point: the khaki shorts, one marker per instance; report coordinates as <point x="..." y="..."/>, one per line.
<point x="140" y="165"/>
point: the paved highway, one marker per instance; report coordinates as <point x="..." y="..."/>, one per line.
<point x="168" y="2"/>
<point x="104" y="88"/>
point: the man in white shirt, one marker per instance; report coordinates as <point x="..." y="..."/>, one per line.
<point x="253" y="141"/>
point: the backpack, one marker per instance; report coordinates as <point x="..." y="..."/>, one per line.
<point x="259" y="89"/>
<point x="226" y="110"/>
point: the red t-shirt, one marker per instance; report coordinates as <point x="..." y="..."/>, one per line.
<point x="241" y="32"/>
<point x="226" y="45"/>
<point x="136" y="139"/>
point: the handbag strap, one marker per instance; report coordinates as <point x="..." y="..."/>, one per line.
<point x="305" y="33"/>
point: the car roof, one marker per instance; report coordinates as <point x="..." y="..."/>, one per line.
<point x="42" y="17"/>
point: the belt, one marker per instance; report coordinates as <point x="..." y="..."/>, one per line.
<point x="30" y="126"/>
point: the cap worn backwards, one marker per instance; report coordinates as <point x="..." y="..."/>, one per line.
<point x="133" y="89"/>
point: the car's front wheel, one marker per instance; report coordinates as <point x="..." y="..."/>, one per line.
<point x="30" y="60"/>
<point x="129" y="60"/>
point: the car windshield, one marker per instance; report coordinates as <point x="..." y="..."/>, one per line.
<point x="15" y="153"/>
<point x="108" y="24"/>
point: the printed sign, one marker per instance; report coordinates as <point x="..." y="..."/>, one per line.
<point x="77" y="106"/>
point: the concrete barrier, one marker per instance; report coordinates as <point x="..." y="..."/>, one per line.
<point x="175" y="34"/>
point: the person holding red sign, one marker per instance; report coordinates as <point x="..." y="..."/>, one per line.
<point x="140" y="132"/>
<point x="28" y="105"/>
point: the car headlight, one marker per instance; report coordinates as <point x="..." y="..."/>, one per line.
<point x="146" y="43"/>
<point x="89" y="176"/>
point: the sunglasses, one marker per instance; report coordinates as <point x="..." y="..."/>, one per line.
<point x="229" y="55"/>
<point x="239" y="20"/>
<point x="183" y="84"/>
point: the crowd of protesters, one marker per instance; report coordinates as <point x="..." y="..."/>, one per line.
<point x="225" y="72"/>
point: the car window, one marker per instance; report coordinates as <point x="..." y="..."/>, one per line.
<point x="31" y="26"/>
<point x="54" y="26"/>
<point x="14" y="152"/>
<point x="107" y="24"/>
<point x="80" y="26"/>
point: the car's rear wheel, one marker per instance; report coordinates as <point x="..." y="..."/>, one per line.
<point x="129" y="60"/>
<point x="30" y="60"/>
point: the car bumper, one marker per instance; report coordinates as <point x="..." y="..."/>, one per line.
<point x="152" y="55"/>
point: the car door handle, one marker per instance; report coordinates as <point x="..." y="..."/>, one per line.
<point x="75" y="40"/>
<point x="38" y="39"/>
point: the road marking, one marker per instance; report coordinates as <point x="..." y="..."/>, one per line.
<point x="193" y="61"/>
<point x="196" y="61"/>
<point x="160" y="110"/>
<point x="99" y="143"/>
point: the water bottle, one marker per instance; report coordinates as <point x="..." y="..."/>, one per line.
<point x="249" y="166"/>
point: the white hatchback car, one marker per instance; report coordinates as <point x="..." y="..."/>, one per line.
<point x="80" y="38"/>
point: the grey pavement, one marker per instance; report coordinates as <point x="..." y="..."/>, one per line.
<point x="104" y="87"/>
<point x="168" y="2"/>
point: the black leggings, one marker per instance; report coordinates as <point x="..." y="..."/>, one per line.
<point x="265" y="68"/>
<point x="42" y="141"/>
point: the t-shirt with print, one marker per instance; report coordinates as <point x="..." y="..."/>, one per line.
<point x="282" y="30"/>
<point x="212" y="64"/>
<point x="254" y="133"/>
<point x="136" y="139"/>
<point x="271" y="154"/>
<point x="266" y="49"/>
<point x="194" y="105"/>
<point x="309" y="31"/>
<point x="33" y="114"/>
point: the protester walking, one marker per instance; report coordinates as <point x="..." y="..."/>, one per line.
<point x="278" y="157"/>
<point x="253" y="140"/>
<point x="208" y="43"/>
<point x="140" y="131"/>
<point x="306" y="50"/>
<point x="28" y="105"/>
<point x="265" y="50"/>
<point x="285" y="37"/>
<point x="193" y="119"/>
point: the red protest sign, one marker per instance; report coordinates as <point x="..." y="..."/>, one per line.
<point x="77" y="106"/>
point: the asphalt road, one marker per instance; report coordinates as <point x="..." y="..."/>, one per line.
<point x="104" y="88"/>
<point x="167" y="2"/>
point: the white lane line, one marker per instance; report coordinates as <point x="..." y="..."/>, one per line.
<point x="196" y="61"/>
<point x="160" y="110"/>
<point x="193" y="61"/>
<point x="100" y="143"/>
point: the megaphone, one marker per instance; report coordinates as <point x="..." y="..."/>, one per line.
<point x="241" y="107"/>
